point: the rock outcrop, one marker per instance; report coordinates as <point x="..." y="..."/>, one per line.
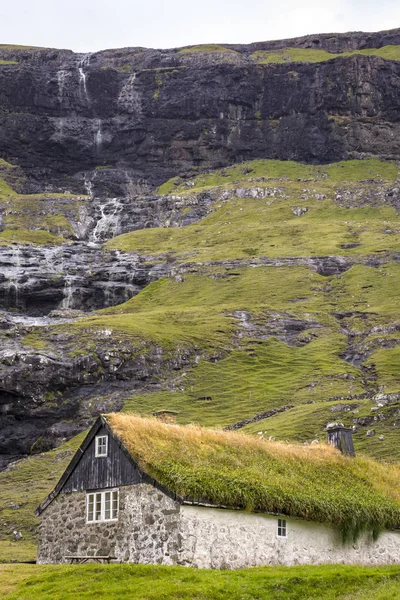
<point x="153" y="114"/>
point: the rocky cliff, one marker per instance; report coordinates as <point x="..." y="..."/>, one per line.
<point x="153" y="114"/>
<point x="84" y="142"/>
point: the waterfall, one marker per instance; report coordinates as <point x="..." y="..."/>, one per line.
<point x="68" y="300"/>
<point x="108" y="224"/>
<point x="13" y="280"/>
<point x="98" y="136"/>
<point x="61" y="77"/>
<point x="83" y="63"/>
<point x="88" y="185"/>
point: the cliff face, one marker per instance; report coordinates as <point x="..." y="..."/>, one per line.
<point x="88" y="137"/>
<point x="154" y="114"/>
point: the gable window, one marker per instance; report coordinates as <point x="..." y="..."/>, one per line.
<point x="101" y="445"/>
<point x="282" y="528"/>
<point x="102" y="506"/>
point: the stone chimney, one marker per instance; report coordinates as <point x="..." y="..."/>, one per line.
<point x="341" y="438"/>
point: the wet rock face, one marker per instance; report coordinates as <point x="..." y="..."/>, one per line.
<point x="152" y="114"/>
<point x="49" y="395"/>
<point x="37" y="280"/>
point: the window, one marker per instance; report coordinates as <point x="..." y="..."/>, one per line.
<point x="282" y="528"/>
<point x="102" y="506"/>
<point x="101" y="445"/>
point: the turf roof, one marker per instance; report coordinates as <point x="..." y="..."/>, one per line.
<point x="235" y="470"/>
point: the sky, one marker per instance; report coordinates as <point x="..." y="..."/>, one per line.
<point x="91" y="25"/>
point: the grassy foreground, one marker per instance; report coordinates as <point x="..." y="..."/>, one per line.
<point x="112" y="582"/>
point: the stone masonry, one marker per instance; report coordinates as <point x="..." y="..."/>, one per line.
<point x="154" y="529"/>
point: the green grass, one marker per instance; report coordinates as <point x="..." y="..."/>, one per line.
<point x="40" y="219"/>
<point x="311" y="55"/>
<point x="117" y="582"/>
<point x="22" y="487"/>
<point x="206" y="48"/>
<point x="254" y="375"/>
<point x="344" y="171"/>
<point x="243" y="228"/>
<point x="232" y="469"/>
<point x="386" y="361"/>
<point x="7" y="165"/>
<point x="17" y="552"/>
<point x="13" y="47"/>
<point x="306" y="423"/>
<point x="38" y="237"/>
<point x="33" y="340"/>
<point x="259" y="377"/>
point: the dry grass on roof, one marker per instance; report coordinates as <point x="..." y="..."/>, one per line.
<point x="235" y="470"/>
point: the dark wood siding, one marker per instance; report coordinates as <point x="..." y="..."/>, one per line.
<point x="93" y="473"/>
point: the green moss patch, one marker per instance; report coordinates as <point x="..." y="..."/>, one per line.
<point x="312" y="55"/>
<point x="37" y="237"/>
<point x="41" y="219"/>
<point x="206" y="48"/>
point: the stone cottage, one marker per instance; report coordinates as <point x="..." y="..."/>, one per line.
<point x="142" y="491"/>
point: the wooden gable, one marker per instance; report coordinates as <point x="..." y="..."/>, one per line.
<point x="88" y="472"/>
<point x="93" y="473"/>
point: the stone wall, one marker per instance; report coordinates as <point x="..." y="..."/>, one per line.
<point x="146" y="530"/>
<point x="153" y="529"/>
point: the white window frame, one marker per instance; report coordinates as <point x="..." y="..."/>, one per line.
<point x="100" y="497"/>
<point x="282" y="528"/>
<point x="100" y="449"/>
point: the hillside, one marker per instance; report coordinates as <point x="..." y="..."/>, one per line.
<point x="229" y="252"/>
<point x="292" y="325"/>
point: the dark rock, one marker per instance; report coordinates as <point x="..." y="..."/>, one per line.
<point x="150" y="114"/>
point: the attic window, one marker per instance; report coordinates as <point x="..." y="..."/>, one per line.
<point x="102" y="506"/>
<point x="282" y="528"/>
<point x="101" y="445"/>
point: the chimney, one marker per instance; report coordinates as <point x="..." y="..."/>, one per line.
<point x="341" y="438"/>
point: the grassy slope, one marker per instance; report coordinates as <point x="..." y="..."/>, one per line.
<point x="257" y="375"/>
<point x="311" y="55"/>
<point x="112" y="582"/>
<point x="41" y="219"/>
<point x="307" y="422"/>
<point x="22" y="487"/>
<point x="254" y="375"/>
<point x="240" y="228"/>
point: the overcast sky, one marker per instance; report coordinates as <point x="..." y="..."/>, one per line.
<point x="90" y="25"/>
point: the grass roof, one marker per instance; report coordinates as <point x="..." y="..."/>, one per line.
<point x="238" y="471"/>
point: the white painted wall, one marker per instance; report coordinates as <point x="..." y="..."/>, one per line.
<point x="218" y="539"/>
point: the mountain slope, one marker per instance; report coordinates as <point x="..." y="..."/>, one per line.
<point x="263" y="327"/>
<point x="163" y="249"/>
